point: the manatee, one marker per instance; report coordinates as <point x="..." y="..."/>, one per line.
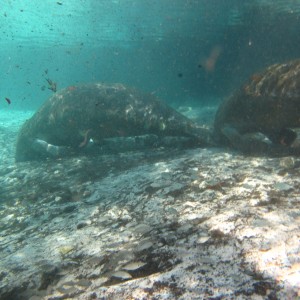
<point x="261" y="117"/>
<point x="83" y="117"/>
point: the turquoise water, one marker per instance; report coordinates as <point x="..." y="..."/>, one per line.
<point x="161" y="223"/>
<point x="157" y="46"/>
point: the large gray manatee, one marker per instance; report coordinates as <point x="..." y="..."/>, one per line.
<point x="78" y="116"/>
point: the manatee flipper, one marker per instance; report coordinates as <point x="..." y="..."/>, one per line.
<point x="256" y="146"/>
<point x="285" y="136"/>
<point x="46" y="149"/>
<point x="243" y="143"/>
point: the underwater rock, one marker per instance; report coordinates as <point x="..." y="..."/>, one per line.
<point x="269" y="103"/>
<point x="88" y="118"/>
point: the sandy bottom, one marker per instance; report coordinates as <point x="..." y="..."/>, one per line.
<point x="160" y="224"/>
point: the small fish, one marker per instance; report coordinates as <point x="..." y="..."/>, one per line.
<point x="52" y="85"/>
<point x="133" y="266"/>
<point x="121" y="275"/>
<point x="8" y="100"/>
<point x="58" y="3"/>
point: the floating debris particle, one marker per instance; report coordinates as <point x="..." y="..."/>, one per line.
<point x="121" y="275"/>
<point x="133" y="266"/>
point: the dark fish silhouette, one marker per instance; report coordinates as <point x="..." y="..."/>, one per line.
<point x="52" y="85"/>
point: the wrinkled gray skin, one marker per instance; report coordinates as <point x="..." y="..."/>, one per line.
<point x="90" y="116"/>
<point x="269" y="103"/>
